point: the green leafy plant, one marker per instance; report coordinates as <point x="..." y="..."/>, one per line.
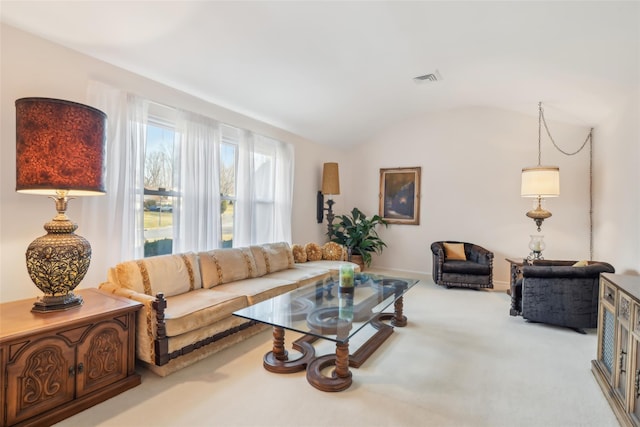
<point x="358" y="233"/>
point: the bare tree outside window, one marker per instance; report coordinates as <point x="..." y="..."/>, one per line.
<point x="158" y="168"/>
<point x="227" y="191"/>
<point x="158" y="185"/>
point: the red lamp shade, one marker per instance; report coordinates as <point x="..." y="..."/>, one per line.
<point x="60" y="145"/>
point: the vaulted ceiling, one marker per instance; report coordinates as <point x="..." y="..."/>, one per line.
<point x="339" y="72"/>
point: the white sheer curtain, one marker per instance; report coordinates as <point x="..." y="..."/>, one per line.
<point x="197" y="219"/>
<point x="283" y="192"/>
<point x="120" y="215"/>
<point x="243" y="234"/>
<point x="264" y="183"/>
<point x="265" y="191"/>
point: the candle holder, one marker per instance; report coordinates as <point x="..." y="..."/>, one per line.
<point x="346" y="278"/>
<point x="537" y="245"/>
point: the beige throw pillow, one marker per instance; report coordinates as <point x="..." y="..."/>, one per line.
<point x="581" y="264"/>
<point x="454" y="251"/>
<point x="220" y="266"/>
<point x="332" y="251"/>
<point x="314" y="251"/>
<point x="272" y="257"/>
<point x="299" y="253"/>
<point x="169" y="274"/>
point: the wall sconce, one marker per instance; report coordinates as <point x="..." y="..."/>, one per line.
<point x="540" y="181"/>
<point x="60" y="153"/>
<point x="330" y="186"/>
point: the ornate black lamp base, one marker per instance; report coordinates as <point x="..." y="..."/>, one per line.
<point x="57" y="303"/>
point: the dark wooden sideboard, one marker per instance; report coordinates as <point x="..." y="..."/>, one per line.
<point x="57" y="364"/>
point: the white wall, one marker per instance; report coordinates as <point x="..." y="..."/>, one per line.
<point x="471" y="161"/>
<point x="31" y="66"/>
<point x="617" y="218"/>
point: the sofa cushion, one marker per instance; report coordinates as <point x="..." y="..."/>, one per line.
<point x="303" y="275"/>
<point x="221" y="266"/>
<point x="193" y="310"/>
<point x="272" y="257"/>
<point x="169" y="274"/>
<point x="469" y="279"/>
<point x="454" y="251"/>
<point x="258" y="289"/>
<point x="465" y="267"/>
<point x="332" y="266"/>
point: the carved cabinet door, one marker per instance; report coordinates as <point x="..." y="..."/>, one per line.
<point x="40" y="377"/>
<point x="102" y="356"/>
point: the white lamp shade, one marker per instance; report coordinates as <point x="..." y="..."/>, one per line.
<point x="540" y="181"/>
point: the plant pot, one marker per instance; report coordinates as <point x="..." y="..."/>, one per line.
<point x="357" y="259"/>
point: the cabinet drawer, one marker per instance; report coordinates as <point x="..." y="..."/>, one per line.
<point x="608" y="292"/>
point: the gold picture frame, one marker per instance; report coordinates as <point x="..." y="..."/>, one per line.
<point x="400" y="195"/>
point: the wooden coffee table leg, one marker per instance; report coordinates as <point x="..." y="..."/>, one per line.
<point x="279" y="351"/>
<point x="277" y="360"/>
<point x="399" y="319"/>
<point x="340" y="378"/>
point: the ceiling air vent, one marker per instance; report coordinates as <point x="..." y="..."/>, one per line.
<point x="428" y="78"/>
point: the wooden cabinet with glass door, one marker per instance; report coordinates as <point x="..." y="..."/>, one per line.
<point x="617" y="365"/>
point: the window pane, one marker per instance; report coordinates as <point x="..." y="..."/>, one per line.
<point x="228" y="156"/>
<point x="264" y="177"/>
<point x="158" y="194"/>
<point x="228" y="170"/>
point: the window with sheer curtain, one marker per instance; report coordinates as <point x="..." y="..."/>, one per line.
<point x="179" y="181"/>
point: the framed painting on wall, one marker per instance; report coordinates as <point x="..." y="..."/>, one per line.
<point x="400" y="195"/>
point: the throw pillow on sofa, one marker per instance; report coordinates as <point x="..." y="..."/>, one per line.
<point x="299" y="253"/>
<point x="272" y="257"/>
<point x="314" y="252"/>
<point x="332" y="251"/>
<point x="220" y="266"/>
<point x="454" y="251"/>
<point x="169" y="274"/>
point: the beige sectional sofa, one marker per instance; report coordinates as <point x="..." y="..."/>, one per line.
<point x="189" y="299"/>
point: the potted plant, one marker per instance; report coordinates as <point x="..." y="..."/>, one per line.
<point x="358" y="234"/>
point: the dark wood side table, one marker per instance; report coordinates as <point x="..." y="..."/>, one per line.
<point x="56" y="364"/>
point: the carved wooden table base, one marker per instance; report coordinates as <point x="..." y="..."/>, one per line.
<point x="277" y="360"/>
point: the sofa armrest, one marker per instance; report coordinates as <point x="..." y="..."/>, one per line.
<point x="151" y="343"/>
<point x="112" y="288"/>
<point x="437" y="248"/>
<point x="563" y="271"/>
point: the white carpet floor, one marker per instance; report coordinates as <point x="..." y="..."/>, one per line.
<point x="461" y="361"/>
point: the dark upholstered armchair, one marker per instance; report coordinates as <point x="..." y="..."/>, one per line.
<point x="557" y="293"/>
<point x="476" y="271"/>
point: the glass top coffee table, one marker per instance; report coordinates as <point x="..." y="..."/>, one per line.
<point x="325" y="310"/>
